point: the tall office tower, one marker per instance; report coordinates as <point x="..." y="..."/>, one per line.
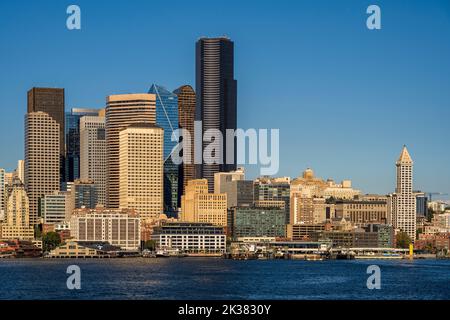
<point x="72" y="134"/>
<point x="17" y="223"/>
<point x="197" y="205"/>
<point x="167" y="119"/>
<point x="20" y="171"/>
<point x="141" y="169"/>
<point x="186" y="118"/>
<point x="2" y="194"/>
<point x="403" y="205"/>
<point x="51" y="101"/>
<point x="404" y="201"/>
<point x="216" y="100"/>
<point x="93" y="156"/>
<point x="274" y="189"/>
<point x="121" y="111"/>
<point x="42" y="159"/>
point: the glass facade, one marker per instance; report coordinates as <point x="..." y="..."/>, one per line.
<point x="85" y="195"/>
<point x="274" y="191"/>
<point x="72" y="133"/>
<point x="167" y="118"/>
<point x="216" y="91"/>
<point x="258" y="222"/>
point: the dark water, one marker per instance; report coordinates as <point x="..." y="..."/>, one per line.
<point x="198" y="278"/>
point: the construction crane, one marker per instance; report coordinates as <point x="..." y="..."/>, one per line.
<point x="431" y="194"/>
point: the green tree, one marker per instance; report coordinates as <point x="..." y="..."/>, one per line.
<point x="150" y="245"/>
<point x="430" y="214"/>
<point x="37" y="232"/>
<point x="50" y="241"/>
<point x="403" y="240"/>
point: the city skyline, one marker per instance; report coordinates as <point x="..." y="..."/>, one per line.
<point x="251" y="151"/>
<point x="360" y="125"/>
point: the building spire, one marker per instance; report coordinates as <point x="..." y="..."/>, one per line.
<point x="404" y="156"/>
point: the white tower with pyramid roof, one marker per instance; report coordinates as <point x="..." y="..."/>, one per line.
<point x="404" y="201"/>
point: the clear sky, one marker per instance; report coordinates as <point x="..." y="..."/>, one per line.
<point x="345" y="98"/>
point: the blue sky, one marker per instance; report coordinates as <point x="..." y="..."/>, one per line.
<point x="345" y="98"/>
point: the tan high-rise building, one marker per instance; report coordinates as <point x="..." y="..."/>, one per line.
<point x="93" y="156"/>
<point x="3" y="195"/>
<point x="42" y="158"/>
<point x="307" y="210"/>
<point x="50" y="101"/>
<point x="222" y="178"/>
<point x="197" y="205"/>
<point x="402" y="206"/>
<point x="20" y="171"/>
<point x="17" y="223"/>
<point x="186" y="118"/>
<point x="121" y="111"/>
<point x="141" y="163"/>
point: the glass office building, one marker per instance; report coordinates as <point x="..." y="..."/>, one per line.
<point x="258" y="222"/>
<point x="167" y="118"/>
<point x="72" y="132"/>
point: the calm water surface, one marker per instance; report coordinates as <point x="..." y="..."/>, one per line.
<point x="199" y="278"/>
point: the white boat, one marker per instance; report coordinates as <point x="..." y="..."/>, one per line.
<point x="162" y="253"/>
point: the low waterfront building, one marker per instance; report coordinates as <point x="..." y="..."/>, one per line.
<point x="72" y="249"/>
<point x="191" y="237"/>
<point x="259" y="222"/>
<point x="19" y="249"/>
<point x="256" y="239"/>
<point x="304" y="232"/>
<point x="349" y="239"/>
<point x="120" y="228"/>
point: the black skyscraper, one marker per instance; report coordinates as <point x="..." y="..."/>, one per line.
<point x="216" y="97"/>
